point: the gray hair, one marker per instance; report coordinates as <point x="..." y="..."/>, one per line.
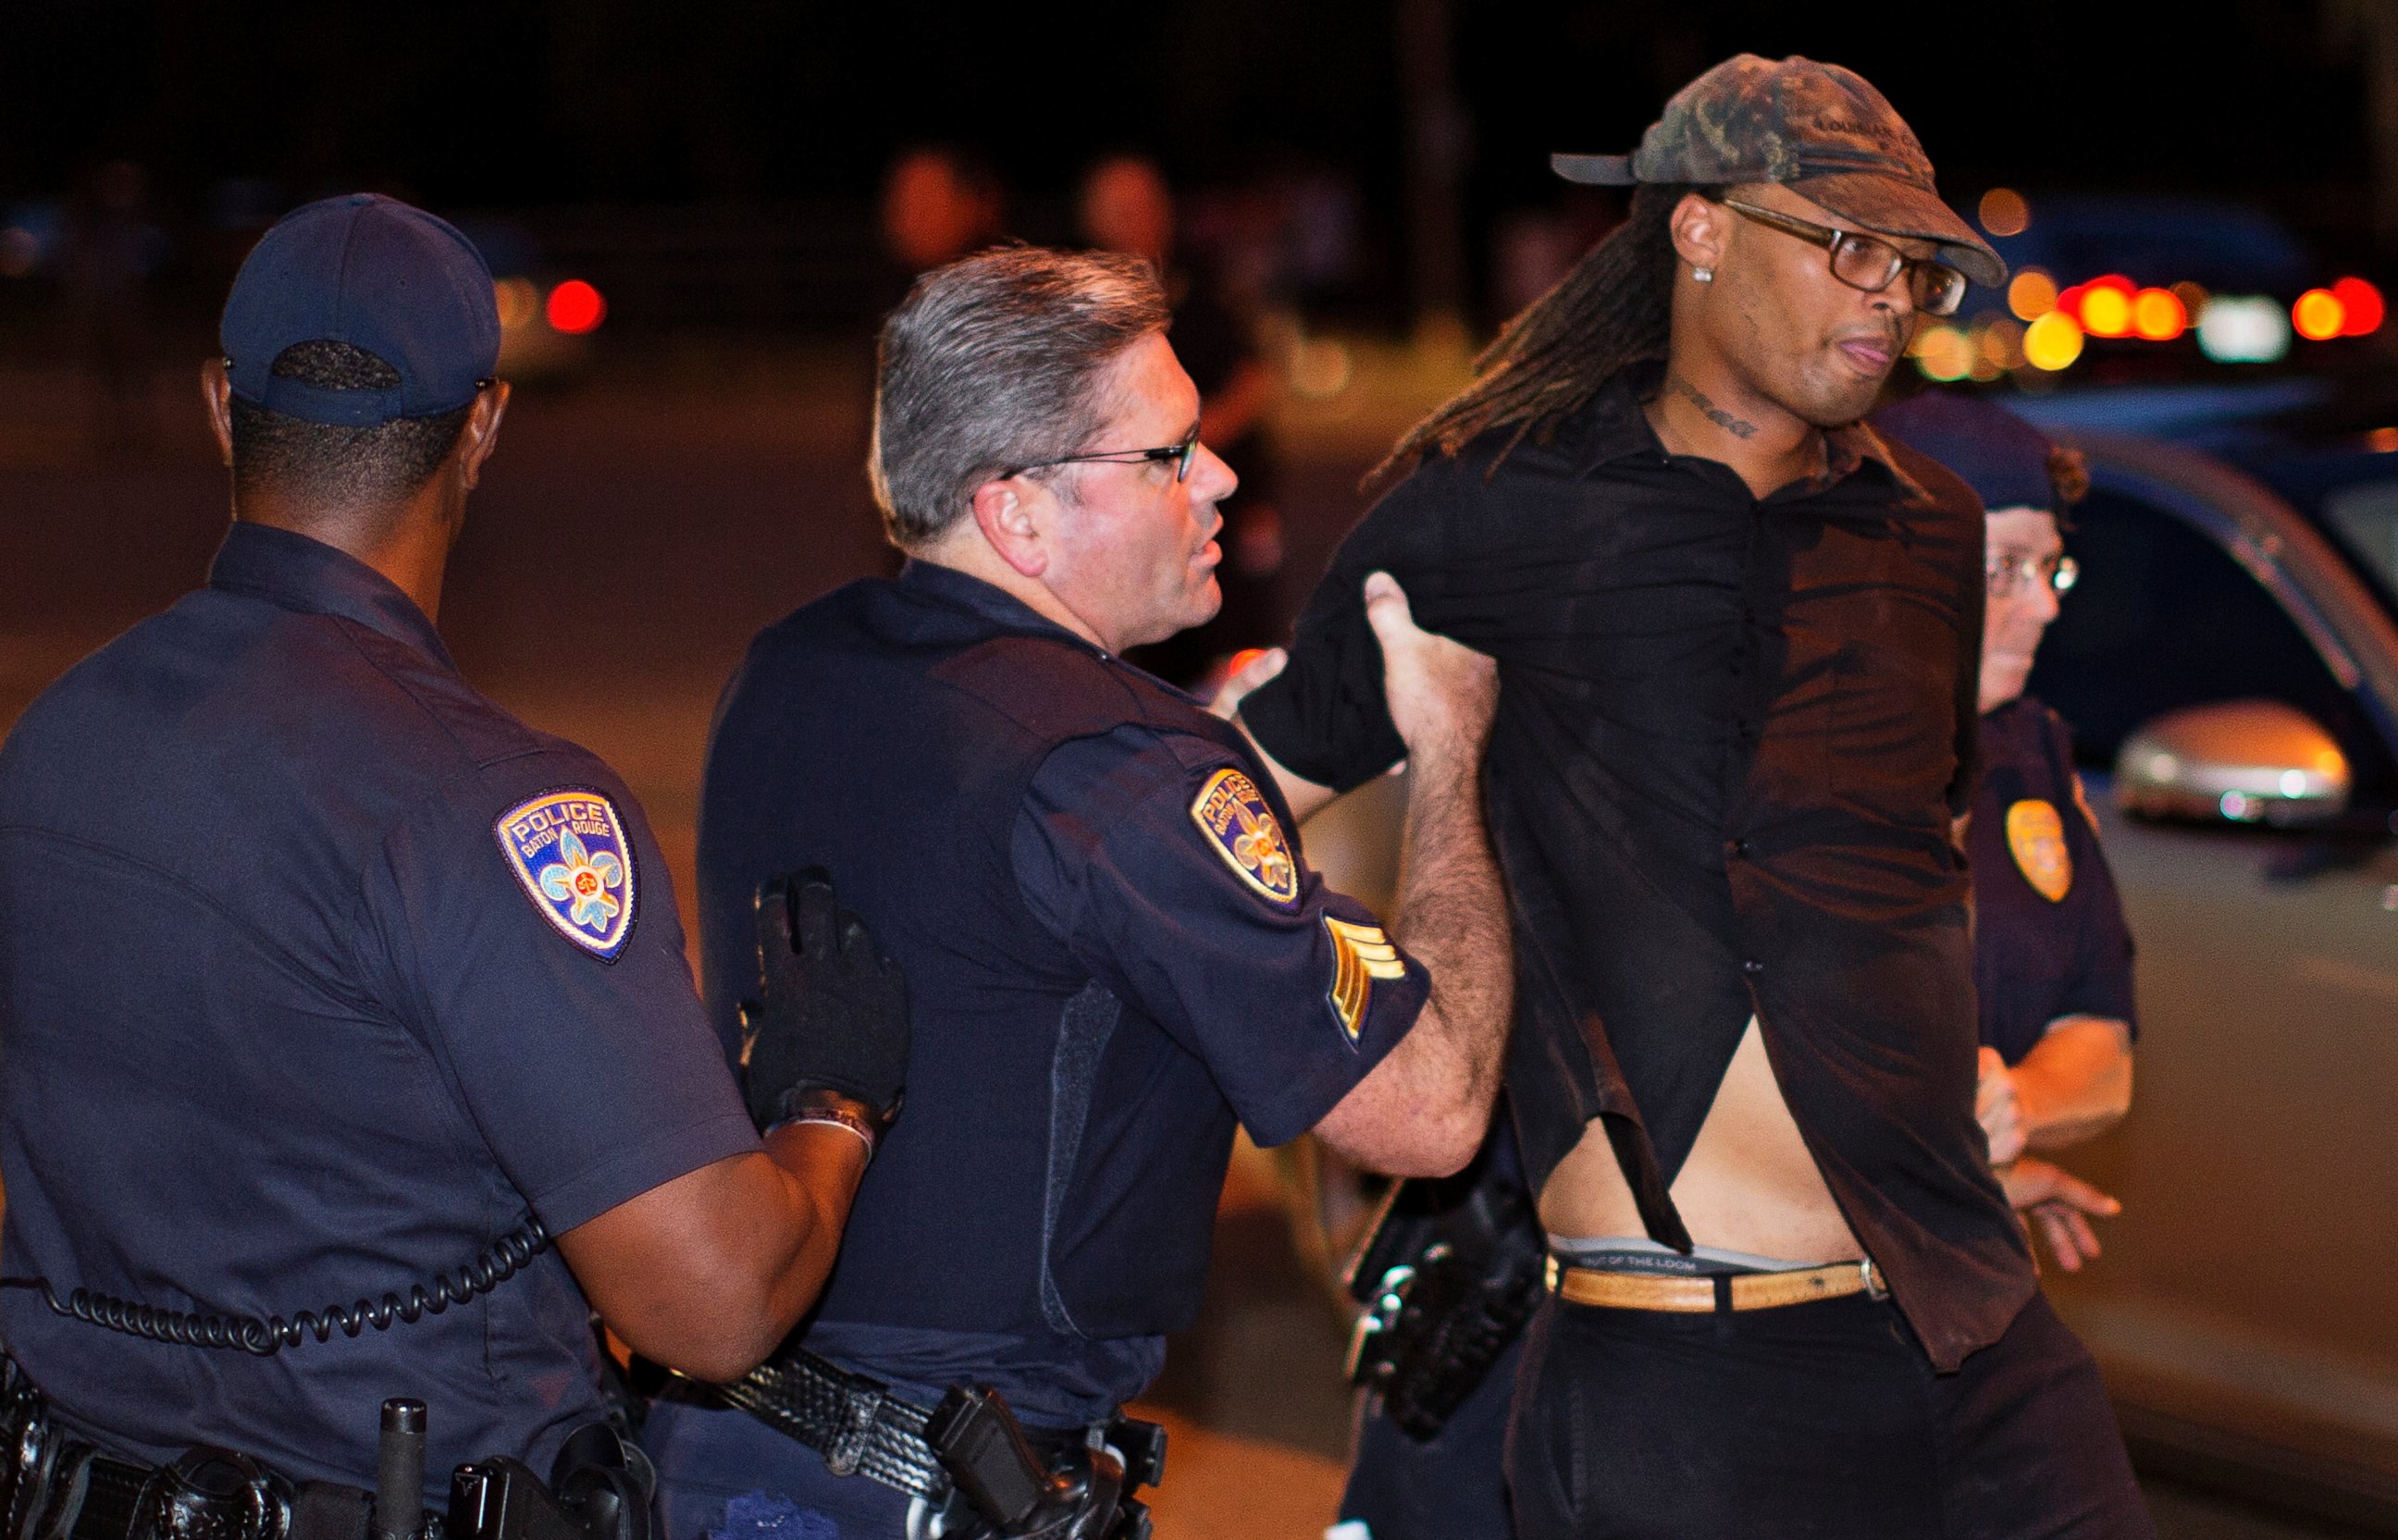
<point x="995" y="362"/>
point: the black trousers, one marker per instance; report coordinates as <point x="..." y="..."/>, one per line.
<point x="1820" y="1419"/>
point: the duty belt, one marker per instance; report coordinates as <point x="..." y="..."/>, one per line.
<point x="860" y="1428"/>
<point x="109" y="1491"/>
<point x="54" y="1486"/>
<point x="854" y="1422"/>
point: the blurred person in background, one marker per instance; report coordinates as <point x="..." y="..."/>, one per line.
<point x="1738" y="637"/>
<point x="1125" y="204"/>
<point x="2051" y="952"/>
<point x="107" y="279"/>
<point x="941" y="202"/>
<point x="2052" y="962"/>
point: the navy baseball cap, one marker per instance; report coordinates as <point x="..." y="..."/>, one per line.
<point x="379" y="274"/>
<point x="2007" y="462"/>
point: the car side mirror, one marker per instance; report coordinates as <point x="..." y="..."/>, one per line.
<point x="2233" y="761"/>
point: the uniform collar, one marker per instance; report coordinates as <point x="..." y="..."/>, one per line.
<point x="312" y="578"/>
<point x="1614" y="427"/>
<point x="985" y="601"/>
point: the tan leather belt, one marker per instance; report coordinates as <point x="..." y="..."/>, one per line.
<point x="1697" y="1295"/>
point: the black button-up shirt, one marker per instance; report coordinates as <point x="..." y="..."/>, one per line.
<point x="1733" y="732"/>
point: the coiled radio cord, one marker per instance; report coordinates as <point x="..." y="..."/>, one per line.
<point x="264" y="1336"/>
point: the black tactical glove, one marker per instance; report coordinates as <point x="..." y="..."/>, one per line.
<point x="831" y="1012"/>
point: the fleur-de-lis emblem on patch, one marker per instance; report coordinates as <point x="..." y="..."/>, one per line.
<point x="568" y="852"/>
<point x="1259" y="847"/>
<point x="1243" y="830"/>
<point x="582" y="879"/>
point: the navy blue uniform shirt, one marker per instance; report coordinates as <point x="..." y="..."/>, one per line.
<point x="2049" y="937"/>
<point x="1113" y="951"/>
<point x="285" y="1022"/>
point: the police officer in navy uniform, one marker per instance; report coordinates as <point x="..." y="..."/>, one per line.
<point x="1114" y="949"/>
<point x="347" y="1046"/>
<point x="2052" y="955"/>
<point x="2051" y="952"/>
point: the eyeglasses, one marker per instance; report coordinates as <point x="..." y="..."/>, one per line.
<point x="2004" y="575"/>
<point x="1178" y="455"/>
<point x="1862" y="261"/>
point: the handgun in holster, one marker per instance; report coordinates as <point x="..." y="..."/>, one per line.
<point x="1014" y="1495"/>
<point x="600" y="1488"/>
<point x="1448" y="1274"/>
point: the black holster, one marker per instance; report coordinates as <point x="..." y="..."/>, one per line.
<point x="1012" y="1493"/>
<point x="600" y="1488"/>
<point x="1449" y="1274"/>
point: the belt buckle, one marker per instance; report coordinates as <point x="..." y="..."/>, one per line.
<point x="1875" y="1286"/>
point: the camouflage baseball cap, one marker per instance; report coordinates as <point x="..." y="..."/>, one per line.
<point x="1818" y="129"/>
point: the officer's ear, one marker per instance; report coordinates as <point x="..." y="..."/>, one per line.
<point x="215" y="394"/>
<point x="480" y="434"/>
<point x="1008" y="512"/>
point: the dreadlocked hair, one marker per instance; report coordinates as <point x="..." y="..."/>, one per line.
<point x="1614" y="309"/>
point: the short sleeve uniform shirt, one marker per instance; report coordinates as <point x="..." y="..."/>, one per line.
<point x="2049" y="940"/>
<point x="318" y="975"/>
<point x="1114" y="951"/>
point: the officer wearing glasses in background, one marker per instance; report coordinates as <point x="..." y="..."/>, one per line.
<point x="2051" y="952"/>
<point x="1737" y="636"/>
<point x="1114" y="948"/>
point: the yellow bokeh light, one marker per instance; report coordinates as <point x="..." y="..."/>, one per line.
<point x="2051" y="342"/>
<point x="2106" y="312"/>
<point x="2004" y="212"/>
<point x="2192" y="295"/>
<point x="1944" y="352"/>
<point x="2157" y="315"/>
<point x="2032" y="294"/>
<point x="2318" y="314"/>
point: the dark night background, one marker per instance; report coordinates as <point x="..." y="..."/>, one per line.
<point x="522" y="106"/>
<point x="675" y="481"/>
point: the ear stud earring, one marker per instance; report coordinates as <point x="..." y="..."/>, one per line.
<point x="1703" y="274"/>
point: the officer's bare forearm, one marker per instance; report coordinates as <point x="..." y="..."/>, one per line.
<point x="1451" y="913"/>
<point x="2076" y="1082"/>
<point x="707" y="1272"/>
<point x="1424" y="1110"/>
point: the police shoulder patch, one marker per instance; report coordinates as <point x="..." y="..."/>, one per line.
<point x="572" y="857"/>
<point x="1233" y="813"/>
<point x="2036" y="838"/>
<point x="1360" y="955"/>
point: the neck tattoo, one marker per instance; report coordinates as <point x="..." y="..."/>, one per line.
<point x="1737" y="427"/>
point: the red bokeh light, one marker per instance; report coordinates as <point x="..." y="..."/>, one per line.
<point x="2361" y="307"/>
<point x="575" y="308"/>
